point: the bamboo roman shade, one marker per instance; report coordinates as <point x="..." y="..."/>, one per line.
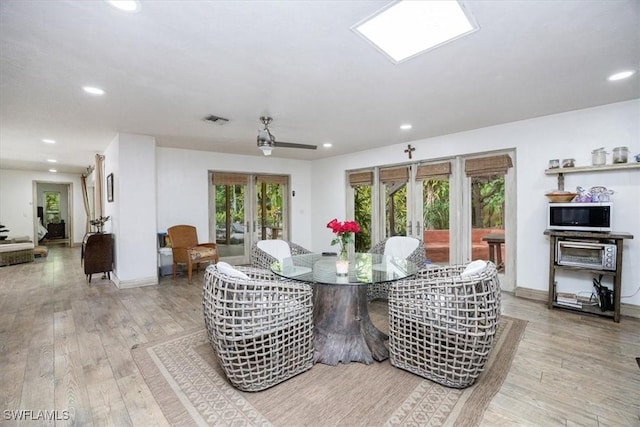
<point x="272" y="179"/>
<point x="394" y="175"/>
<point x="495" y="165"/>
<point x="434" y="171"/>
<point x="360" y="178"/>
<point x="223" y="178"/>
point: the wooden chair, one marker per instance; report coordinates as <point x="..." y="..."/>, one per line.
<point x="259" y="325"/>
<point x="186" y="249"/>
<point x="443" y="323"/>
<point x="405" y="247"/>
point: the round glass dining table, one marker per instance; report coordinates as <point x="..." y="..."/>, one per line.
<point x="364" y="269"/>
<point x="343" y="331"/>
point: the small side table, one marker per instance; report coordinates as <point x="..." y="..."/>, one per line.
<point x="495" y="242"/>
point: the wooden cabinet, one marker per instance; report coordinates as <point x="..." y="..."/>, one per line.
<point x="587" y="236"/>
<point x="56" y="230"/>
<point x="97" y="254"/>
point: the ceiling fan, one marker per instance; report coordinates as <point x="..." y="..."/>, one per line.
<point x="266" y="140"/>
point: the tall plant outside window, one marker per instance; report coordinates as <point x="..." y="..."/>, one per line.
<point x="362" y="184"/>
<point x="51" y="207"/>
<point x="362" y="204"/>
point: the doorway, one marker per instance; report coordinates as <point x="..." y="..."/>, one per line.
<point x="246" y="208"/>
<point x="53" y="212"/>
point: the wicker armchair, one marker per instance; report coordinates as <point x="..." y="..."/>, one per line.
<point x="187" y="250"/>
<point x="260" y="327"/>
<point x="442" y="325"/>
<point x="390" y="246"/>
<point x="260" y="258"/>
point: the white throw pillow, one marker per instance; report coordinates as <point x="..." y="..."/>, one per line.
<point x="279" y="249"/>
<point x="400" y="246"/>
<point x="474" y="267"/>
<point x="227" y="269"/>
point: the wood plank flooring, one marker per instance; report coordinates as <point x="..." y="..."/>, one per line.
<point x="65" y="347"/>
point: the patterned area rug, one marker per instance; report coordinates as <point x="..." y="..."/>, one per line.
<point x="186" y="380"/>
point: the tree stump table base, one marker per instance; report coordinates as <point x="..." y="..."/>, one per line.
<point x="343" y="331"/>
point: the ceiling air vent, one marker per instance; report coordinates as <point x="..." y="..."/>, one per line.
<point x="216" y="119"/>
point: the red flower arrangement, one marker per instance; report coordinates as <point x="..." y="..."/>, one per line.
<point x="345" y="232"/>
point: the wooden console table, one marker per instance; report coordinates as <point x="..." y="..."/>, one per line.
<point x="97" y="254"/>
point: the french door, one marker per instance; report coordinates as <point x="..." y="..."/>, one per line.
<point x="457" y="206"/>
<point x="246" y="208"/>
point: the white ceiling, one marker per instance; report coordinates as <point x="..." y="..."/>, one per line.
<point x="167" y="67"/>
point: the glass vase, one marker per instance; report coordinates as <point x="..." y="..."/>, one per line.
<point x="342" y="263"/>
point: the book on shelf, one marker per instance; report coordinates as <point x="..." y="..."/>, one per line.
<point x="567" y="298"/>
<point x="569" y="304"/>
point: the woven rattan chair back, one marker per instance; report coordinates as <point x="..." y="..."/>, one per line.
<point x="186" y="249"/>
<point x="418" y="256"/>
<point x="262" y="259"/>
<point x="261" y="328"/>
<point x="442" y="326"/>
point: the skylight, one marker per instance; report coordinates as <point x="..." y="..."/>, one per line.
<point x="125" y="5"/>
<point x="410" y="27"/>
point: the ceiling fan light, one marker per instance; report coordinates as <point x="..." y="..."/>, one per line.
<point x="266" y="150"/>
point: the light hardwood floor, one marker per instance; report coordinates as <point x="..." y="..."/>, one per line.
<point x="65" y="346"/>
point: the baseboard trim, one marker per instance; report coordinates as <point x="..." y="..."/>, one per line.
<point x="630" y="310"/>
<point x="136" y="283"/>
<point x="528" y="293"/>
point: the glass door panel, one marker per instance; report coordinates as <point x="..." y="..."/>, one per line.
<point x="395" y="209"/>
<point x="487" y="218"/>
<point x="435" y="219"/>
<point x="394" y="198"/>
<point x="231" y="219"/>
<point x="271" y="208"/>
<point x="363" y="209"/>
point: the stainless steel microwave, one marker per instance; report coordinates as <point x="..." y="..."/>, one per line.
<point x="580" y="216"/>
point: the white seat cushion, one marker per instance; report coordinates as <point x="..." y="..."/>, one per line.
<point x="279" y="249"/>
<point x="228" y="270"/>
<point x="10" y="247"/>
<point x="474" y="267"/>
<point x="400" y="246"/>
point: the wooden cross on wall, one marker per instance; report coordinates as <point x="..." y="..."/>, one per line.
<point x="410" y="150"/>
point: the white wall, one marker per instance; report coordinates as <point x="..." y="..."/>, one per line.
<point x="567" y="135"/>
<point x="183" y="185"/>
<point x="131" y="159"/>
<point x="17" y="211"/>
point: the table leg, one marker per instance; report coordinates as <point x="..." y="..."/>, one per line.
<point x="343" y="331"/>
<point x="499" y="256"/>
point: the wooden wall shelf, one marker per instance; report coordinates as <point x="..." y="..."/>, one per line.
<point x="588" y="169"/>
<point x="620" y="166"/>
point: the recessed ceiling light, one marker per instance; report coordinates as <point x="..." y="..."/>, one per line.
<point x="53" y="170"/>
<point x="327" y="145"/>
<point x="93" y="90"/>
<point x="407" y="28"/>
<point x="621" y="75"/>
<point x="406" y="126"/>
<point x="51" y="160"/>
<point x="126" y="5"/>
<point x="49" y="141"/>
